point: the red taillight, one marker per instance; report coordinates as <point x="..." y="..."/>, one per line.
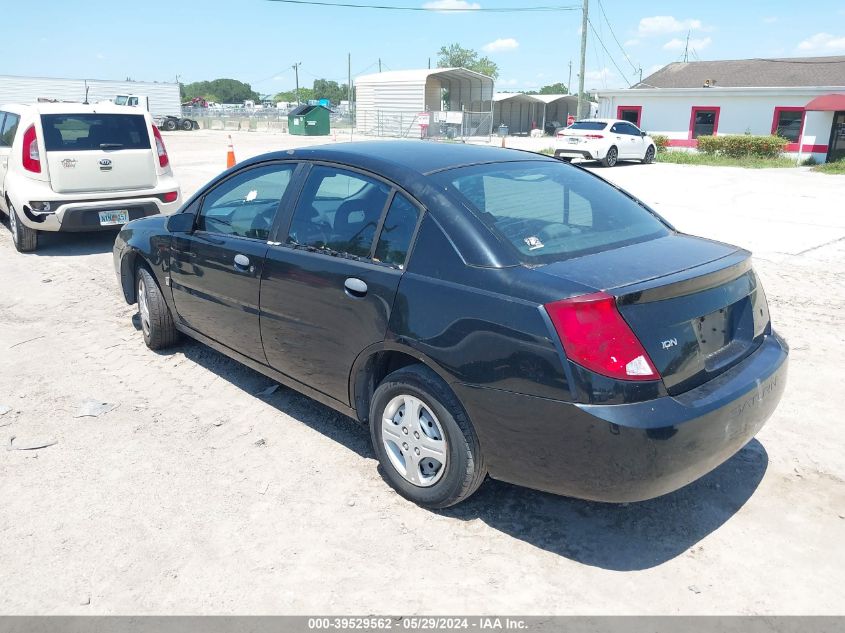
<point x="170" y="196"/>
<point x="31" y="157"/>
<point x="163" y="159"/>
<point x="595" y="335"/>
<point x="594" y="135"/>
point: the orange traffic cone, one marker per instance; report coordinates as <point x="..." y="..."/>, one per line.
<point x="230" y="154"/>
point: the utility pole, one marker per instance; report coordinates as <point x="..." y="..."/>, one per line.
<point x="641" y="74"/>
<point x="584" y="15"/>
<point x="686" y="47"/>
<point x="349" y="91"/>
<point x="296" y="70"/>
<point x="429" y="63"/>
<point x="379" y="64"/>
<point x="569" y="83"/>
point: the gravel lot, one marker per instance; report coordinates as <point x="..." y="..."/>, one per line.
<point x="195" y="495"/>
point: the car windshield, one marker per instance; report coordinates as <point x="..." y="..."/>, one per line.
<point x="588" y="125"/>
<point x="549" y="211"/>
<point x="75" y="132"/>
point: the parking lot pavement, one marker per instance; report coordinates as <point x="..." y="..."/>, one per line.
<point x="195" y="495"/>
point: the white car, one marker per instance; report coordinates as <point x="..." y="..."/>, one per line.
<point x="607" y="140"/>
<point x="80" y="167"/>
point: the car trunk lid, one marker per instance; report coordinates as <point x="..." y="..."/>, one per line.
<point x="91" y="152"/>
<point x="696" y="305"/>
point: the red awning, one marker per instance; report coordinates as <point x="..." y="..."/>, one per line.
<point x="827" y="103"/>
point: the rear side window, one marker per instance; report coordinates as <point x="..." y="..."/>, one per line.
<point x="397" y="231"/>
<point x="8" y="127"/>
<point x="338" y="211"/>
<point x="84" y="132"/>
<point x="549" y="211"/>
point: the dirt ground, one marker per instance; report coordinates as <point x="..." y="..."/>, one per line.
<point x="195" y="495"/>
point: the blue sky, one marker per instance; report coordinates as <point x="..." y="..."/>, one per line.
<point x="257" y="41"/>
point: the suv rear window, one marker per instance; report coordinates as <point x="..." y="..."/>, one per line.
<point x="82" y="132"/>
<point x="549" y="211"/>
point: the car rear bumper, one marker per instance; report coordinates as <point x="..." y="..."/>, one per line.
<point x="575" y="153"/>
<point x="627" y="452"/>
<point x="76" y="217"/>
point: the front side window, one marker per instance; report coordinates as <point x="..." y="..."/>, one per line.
<point x="245" y="205"/>
<point x="788" y="124"/>
<point x="549" y="212"/>
<point x="704" y="122"/>
<point x="85" y="132"/>
<point x="338" y="210"/>
<point x="394" y="241"/>
<point x="8" y="127"/>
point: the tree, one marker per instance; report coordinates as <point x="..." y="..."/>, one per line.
<point x="331" y="90"/>
<point x="456" y="56"/>
<point x="305" y="95"/>
<point x="554" y="89"/>
<point x="220" y="90"/>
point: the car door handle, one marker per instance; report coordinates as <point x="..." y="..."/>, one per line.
<point x="355" y="287"/>
<point x="241" y="262"/>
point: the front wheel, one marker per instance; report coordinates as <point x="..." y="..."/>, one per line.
<point x="611" y="158"/>
<point x="649" y="155"/>
<point x="427" y="448"/>
<point x="156" y="321"/>
<point x="169" y="125"/>
<point x="24" y="238"/>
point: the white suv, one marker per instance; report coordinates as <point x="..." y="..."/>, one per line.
<point x="79" y="167"/>
<point x="607" y="140"/>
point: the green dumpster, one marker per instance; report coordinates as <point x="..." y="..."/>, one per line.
<point x="309" y="120"/>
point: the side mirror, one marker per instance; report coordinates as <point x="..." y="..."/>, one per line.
<point x="643" y="133"/>
<point x="180" y="223"/>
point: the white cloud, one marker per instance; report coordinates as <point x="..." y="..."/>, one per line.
<point x="633" y="42"/>
<point x="663" y="24"/>
<point x="451" y="5"/>
<point x="676" y="44"/>
<point x="770" y="19"/>
<point x="501" y="44"/>
<point x="823" y="43"/>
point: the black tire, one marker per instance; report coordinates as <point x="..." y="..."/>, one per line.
<point x="464" y="469"/>
<point x="24" y="238"/>
<point x="187" y="125"/>
<point x="157" y="326"/>
<point x="648" y="159"/>
<point x="169" y="125"/>
<point x="611" y="158"/>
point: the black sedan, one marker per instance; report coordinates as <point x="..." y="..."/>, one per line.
<point x="484" y="311"/>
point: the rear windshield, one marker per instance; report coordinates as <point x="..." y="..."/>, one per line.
<point x="588" y="125"/>
<point x="81" y="132"/>
<point x="549" y="211"/>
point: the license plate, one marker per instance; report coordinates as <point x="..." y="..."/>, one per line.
<point x="110" y="218"/>
<point x="572" y="140"/>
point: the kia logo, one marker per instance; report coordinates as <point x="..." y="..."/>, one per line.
<point x="105" y="162"/>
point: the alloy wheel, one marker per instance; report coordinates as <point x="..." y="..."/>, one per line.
<point x="143" y="306"/>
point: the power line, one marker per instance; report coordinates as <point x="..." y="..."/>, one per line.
<point x="387" y="7"/>
<point x="613" y="61"/>
<point x="615" y="39"/>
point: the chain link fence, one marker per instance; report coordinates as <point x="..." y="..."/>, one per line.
<point x="460" y="124"/>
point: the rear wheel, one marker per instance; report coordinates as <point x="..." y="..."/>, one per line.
<point x="25" y="238"/>
<point x="427" y="448"/>
<point x="156" y="321"/>
<point x="649" y="155"/>
<point x="611" y="158"/>
<point x="169" y="125"/>
<point x="187" y="125"/>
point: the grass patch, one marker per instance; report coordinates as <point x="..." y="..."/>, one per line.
<point x="751" y="162"/>
<point x="549" y="151"/>
<point x="837" y="167"/>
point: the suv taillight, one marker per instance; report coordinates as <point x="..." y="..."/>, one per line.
<point x="31" y="158"/>
<point x="595" y="336"/>
<point x="163" y="159"/>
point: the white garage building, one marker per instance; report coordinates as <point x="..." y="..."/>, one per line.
<point x="164" y="96"/>
<point x="802" y="99"/>
<point x="424" y="102"/>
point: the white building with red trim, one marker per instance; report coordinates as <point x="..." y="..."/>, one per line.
<point x="801" y="99"/>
